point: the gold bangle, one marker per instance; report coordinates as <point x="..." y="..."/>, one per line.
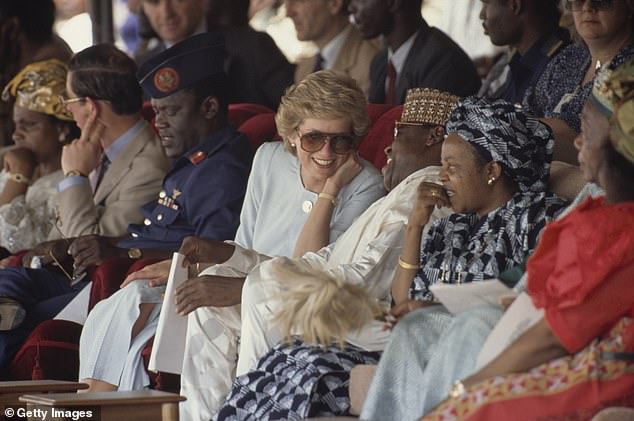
<point x="19" y="178"/>
<point x="328" y="196"/>
<point x="74" y="173"/>
<point x="407" y="266"/>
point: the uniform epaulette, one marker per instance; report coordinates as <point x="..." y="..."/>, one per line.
<point x="197" y="157"/>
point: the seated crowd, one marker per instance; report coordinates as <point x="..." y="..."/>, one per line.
<point x="305" y="261"/>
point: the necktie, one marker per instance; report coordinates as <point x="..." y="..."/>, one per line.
<point x="99" y="172"/>
<point x="390" y="93"/>
<point x="319" y="63"/>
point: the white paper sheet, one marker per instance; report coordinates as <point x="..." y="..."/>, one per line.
<point x="77" y="310"/>
<point x="517" y="319"/>
<point x="169" y="343"/>
<point x="462" y="297"/>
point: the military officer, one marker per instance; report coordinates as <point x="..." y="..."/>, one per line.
<point x="203" y="192"/>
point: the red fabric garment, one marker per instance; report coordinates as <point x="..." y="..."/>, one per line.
<point x="582" y="271"/>
<point x="575" y="387"/>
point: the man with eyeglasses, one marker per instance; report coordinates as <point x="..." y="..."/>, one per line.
<point x="530" y="28"/>
<point x="109" y="173"/>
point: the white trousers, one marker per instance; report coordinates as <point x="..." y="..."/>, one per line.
<point x="215" y="336"/>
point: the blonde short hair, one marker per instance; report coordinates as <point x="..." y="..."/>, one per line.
<point x="323" y="95"/>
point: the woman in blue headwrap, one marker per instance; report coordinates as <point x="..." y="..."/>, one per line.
<point x="495" y="167"/>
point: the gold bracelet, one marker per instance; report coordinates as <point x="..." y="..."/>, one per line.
<point x="19" y="178"/>
<point x="407" y="266"/>
<point x="328" y="196"/>
<point x="74" y="173"/>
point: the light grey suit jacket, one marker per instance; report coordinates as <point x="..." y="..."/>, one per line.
<point x="132" y="180"/>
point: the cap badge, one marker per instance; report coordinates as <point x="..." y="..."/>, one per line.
<point x="166" y="79"/>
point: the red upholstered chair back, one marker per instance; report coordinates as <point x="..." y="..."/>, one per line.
<point x="240" y="113"/>
<point x="147" y="112"/>
<point x="380" y="136"/>
<point x="375" y="111"/>
<point x="259" y="129"/>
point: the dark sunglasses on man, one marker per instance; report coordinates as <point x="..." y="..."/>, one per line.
<point x="341" y="143"/>
<point x="577" y="5"/>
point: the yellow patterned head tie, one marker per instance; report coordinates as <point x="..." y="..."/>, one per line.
<point x="428" y="106"/>
<point x="613" y="95"/>
<point x="40" y="87"/>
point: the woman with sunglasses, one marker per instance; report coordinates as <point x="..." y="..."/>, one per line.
<point x="32" y="169"/>
<point x="314" y="184"/>
<point x="605" y="33"/>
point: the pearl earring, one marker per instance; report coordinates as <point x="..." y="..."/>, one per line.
<point x="491" y="180"/>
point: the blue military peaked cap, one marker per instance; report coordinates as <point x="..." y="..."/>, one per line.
<point x="184" y="64"/>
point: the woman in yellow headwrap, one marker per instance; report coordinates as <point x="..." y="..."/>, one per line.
<point x="32" y="169"/>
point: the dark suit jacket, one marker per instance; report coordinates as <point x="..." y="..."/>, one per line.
<point x="435" y="61"/>
<point x="258" y="71"/>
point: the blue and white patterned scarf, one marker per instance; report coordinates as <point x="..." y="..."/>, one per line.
<point x="465" y="248"/>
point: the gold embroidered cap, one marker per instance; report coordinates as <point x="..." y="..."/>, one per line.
<point x="428" y="106"/>
<point x="613" y="95"/>
<point x="40" y="87"/>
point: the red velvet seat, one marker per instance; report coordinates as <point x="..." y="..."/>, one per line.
<point x="380" y="135"/>
<point x="240" y="113"/>
<point x="51" y="351"/>
<point x="259" y="128"/>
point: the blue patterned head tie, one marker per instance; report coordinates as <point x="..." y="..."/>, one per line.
<point x="501" y="132"/>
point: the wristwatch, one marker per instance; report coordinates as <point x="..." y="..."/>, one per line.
<point x="134" y="253"/>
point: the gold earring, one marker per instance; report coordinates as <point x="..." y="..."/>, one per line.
<point x="491" y="180"/>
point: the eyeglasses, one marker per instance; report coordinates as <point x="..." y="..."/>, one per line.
<point x="398" y="125"/>
<point x="341" y="143"/>
<point x="599" y="5"/>
<point x="65" y="101"/>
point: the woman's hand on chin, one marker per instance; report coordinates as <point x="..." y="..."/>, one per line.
<point x="344" y="174"/>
